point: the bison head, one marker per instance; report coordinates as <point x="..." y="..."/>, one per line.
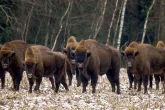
<point x="70" y="52"/>
<point x="30" y="68"/>
<point x="6" y="56"/>
<point x="130" y="53"/>
<point x="82" y="55"/>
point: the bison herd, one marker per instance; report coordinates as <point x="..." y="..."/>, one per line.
<point x="86" y="59"/>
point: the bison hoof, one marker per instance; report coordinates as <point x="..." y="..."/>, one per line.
<point x="118" y="92"/>
<point x="30" y="91"/>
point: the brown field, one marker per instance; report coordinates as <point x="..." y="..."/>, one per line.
<point x="103" y="99"/>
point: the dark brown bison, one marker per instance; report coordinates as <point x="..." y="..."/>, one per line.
<point x="11" y="55"/>
<point x="159" y="77"/>
<point x="70" y="51"/>
<point x="145" y="60"/>
<point x="2" y="74"/>
<point x="93" y="59"/>
<point x="129" y="66"/>
<point x="42" y="62"/>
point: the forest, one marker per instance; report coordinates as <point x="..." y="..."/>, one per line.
<point x="52" y="22"/>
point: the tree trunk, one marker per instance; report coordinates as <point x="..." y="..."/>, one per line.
<point x="121" y="24"/>
<point x="162" y="20"/>
<point x="117" y="24"/>
<point x="146" y="21"/>
<point x="100" y="20"/>
<point x="110" y="26"/>
<point x="61" y="24"/>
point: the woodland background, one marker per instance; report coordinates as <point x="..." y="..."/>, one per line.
<point x="51" y="22"/>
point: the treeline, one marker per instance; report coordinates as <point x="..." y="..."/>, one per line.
<point x="51" y="22"/>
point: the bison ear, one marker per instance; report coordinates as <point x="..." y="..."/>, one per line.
<point x="88" y="54"/>
<point x="122" y="53"/>
<point x="12" y="54"/>
<point x="64" y="50"/>
<point x="136" y="53"/>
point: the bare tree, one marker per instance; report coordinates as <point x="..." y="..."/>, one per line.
<point x="61" y="24"/>
<point x="146" y="21"/>
<point x="110" y="26"/>
<point x="121" y="24"/>
<point x="100" y="20"/>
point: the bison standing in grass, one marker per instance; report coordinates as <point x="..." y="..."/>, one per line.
<point x="2" y="74"/>
<point x="11" y="55"/>
<point x="129" y="65"/>
<point x="69" y="51"/>
<point x="42" y="62"/>
<point x="95" y="59"/>
<point x="145" y="60"/>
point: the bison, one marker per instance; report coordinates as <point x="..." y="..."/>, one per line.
<point x="130" y="74"/>
<point x="2" y="74"/>
<point x="160" y="76"/>
<point x="70" y="51"/>
<point x="145" y="60"/>
<point x="93" y="59"/>
<point x="42" y="62"/>
<point x="11" y="55"/>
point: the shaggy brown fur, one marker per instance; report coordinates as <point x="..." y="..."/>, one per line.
<point x="147" y="60"/>
<point x="12" y="54"/>
<point x="95" y="59"/>
<point x="69" y="51"/>
<point x="160" y="44"/>
<point x="40" y="62"/>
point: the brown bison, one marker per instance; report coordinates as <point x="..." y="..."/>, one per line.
<point x="70" y="51"/>
<point x="11" y="55"/>
<point x="93" y="59"/>
<point x="42" y="62"/>
<point x="160" y="76"/>
<point x="130" y="74"/>
<point x="2" y="74"/>
<point x="145" y="60"/>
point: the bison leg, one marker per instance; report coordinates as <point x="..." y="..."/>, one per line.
<point x="2" y="79"/>
<point x="70" y="76"/>
<point x="135" y="82"/>
<point x="63" y="81"/>
<point x="130" y="77"/>
<point x="111" y="79"/>
<point x="84" y="82"/>
<point x="139" y="84"/>
<point x="157" y="80"/>
<point x="52" y="82"/>
<point x="57" y="87"/>
<point x="151" y="78"/>
<point x="94" y="79"/>
<point x="78" y="78"/>
<point x="38" y="82"/>
<point x="145" y="83"/>
<point x="31" y="82"/>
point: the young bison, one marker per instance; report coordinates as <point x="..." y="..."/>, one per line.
<point x="11" y="55"/>
<point x="145" y="60"/>
<point x="70" y="51"/>
<point x="95" y="59"/>
<point x="42" y="62"/>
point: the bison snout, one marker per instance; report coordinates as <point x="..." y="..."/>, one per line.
<point x="129" y="64"/>
<point x="29" y="75"/>
<point x="80" y="65"/>
<point x="5" y="66"/>
<point x="73" y="61"/>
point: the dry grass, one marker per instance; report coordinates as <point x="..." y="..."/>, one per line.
<point x="103" y="99"/>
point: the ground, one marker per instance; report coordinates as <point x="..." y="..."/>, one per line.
<point x="103" y="99"/>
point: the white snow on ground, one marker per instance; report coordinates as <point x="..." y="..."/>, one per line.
<point x="103" y="99"/>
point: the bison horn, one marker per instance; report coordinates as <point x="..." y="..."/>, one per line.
<point x="125" y="45"/>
